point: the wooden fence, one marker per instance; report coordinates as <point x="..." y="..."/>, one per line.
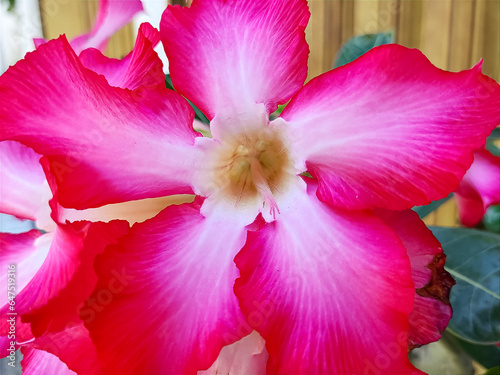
<point x="454" y="35"/>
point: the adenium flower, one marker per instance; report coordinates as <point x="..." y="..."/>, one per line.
<point x="479" y="189"/>
<point x="331" y="282"/>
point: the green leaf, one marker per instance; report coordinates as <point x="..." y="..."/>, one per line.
<point x="490" y="142"/>
<point x="198" y="114"/>
<point x="473" y="259"/>
<point x="359" y="45"/>
<point x="491" y="219"/>
<point x="423" y="211"/>
<point x="493" y="371"/>
<point x="486" y="355"/>
<point x="168" y="82"/>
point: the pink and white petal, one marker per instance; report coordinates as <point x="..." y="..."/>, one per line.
<point x="480" y="187"/>
<point x="329" y="290"/>
<point x="54" y="274"/>
<point x="105" y="144"/>
<point x="246" y="356"/>
<point x="38" y="362"/>
<point x="227" y="56"/>
<point x="140" y="68"/>
<point x="23" y="189"/>
<point x="112" y="16"/>
<point x="166" y="293"/>
<point x="391" y="130"/>
<point x="431" y="311"/>
<point x="26" y="252"/>
<point x="70" y="265"/>
<point x="49" y="266"/>
<point x="72" y="346"/>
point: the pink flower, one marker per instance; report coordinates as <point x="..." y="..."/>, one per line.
<point x="479" y="189"/>
<point x="332" y="284"/>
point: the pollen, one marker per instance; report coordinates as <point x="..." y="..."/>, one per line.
<point x="254" y="165"/>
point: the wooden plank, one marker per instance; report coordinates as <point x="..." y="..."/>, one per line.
<point x="365" y="17"/>
<point x="409" y="23"/>
<point x="478" y="32"/>
<point x="491" y="40"/>
<point x="435" y="32"/>
<point x="333" y="32"/>
<point x="462" y="28"/>
<point x="315" y="36"/>
<point x="64" y="17"/>
<point x="347" y="20"/>
<point x="447" y="214"/>
<point x="387" y="15"/>
<point x="486" y="36"/>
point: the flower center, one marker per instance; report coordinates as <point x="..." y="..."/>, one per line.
<point x="254" y="166"/>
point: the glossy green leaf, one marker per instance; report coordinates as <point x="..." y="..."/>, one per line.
<point x="423" y="211"/>
<point x="473" y="259"/>
<point x="491" y="219"/>
<point x="486" y="355"/>
<point x="198" y="114"/>
<point x="492" y="141"/>
<point x="359" y="45"/>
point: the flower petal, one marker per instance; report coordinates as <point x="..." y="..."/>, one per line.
<point x="27" y="252"/>
<point x="105" y="144"/>
<point x="247" y="356"/>
<point x="330" y="291"/>
<point x="431" y="311"/>
<point x="140" y="68"/>
<point x="166" y="293"/>
<point x="37" y="362"/>
<point x="23" y="190"/>
<point x="72" y="346"/>
<point x="68" y="276"/>
<point x="391" y="130"/>
<point x="480" y="188"/>
<point x="44" y="272"/>
<point x="226" y="56"/>
<point x="112" y="16"/>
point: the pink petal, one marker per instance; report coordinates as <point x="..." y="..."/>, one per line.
<point x="38" y="362"/>
<point x="140" y="68"/>
<point x="225" y="56"/>
<point x="431" y="311"/>
<point x="391" y="130"/>
<point x="72" y="346"/>
<point x="55" y="274"/>
<point x="70" y="265"/>
<point x="23" y="190"/>
<point x="166" y="294"/>
<point x="330" y="291"/>
<point x="49" y="265"/>
<point x="27" y="252"/>
<point x="246" y="356"/>
<point x="480" y="188"/>
<point x="104" y="144"/>
<point x="112" y="16"/>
